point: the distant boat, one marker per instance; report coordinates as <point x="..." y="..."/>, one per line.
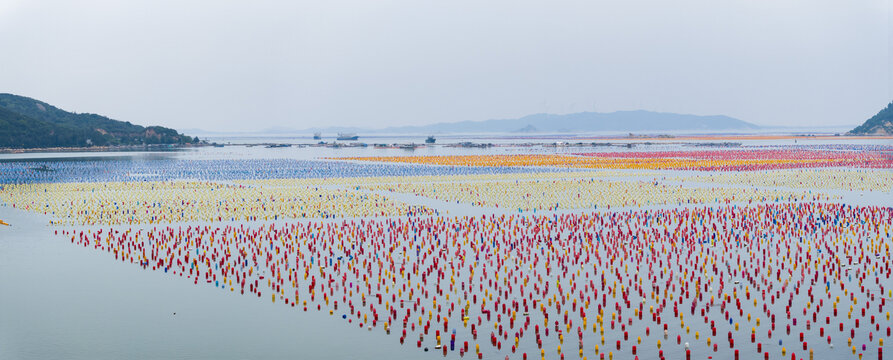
<point x="42" y="168"/>
<point x="348" y="136"/>
<point x="430" y="140"/>
<point x="317" y="136"/>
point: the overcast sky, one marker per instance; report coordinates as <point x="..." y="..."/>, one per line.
<point x="249" y="65"/>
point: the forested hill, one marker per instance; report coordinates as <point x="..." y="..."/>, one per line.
<point x="880" y="124"/>
<point x="29" y="123"/>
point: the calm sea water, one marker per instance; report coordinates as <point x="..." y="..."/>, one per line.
<point x="60" y="301"/>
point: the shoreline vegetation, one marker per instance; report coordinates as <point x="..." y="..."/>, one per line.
<point x="880" y="124"/>
<point x="26" y="123"/>
<point x="112" y="148"/>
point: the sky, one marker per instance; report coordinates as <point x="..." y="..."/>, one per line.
<point x="251" y="65"/>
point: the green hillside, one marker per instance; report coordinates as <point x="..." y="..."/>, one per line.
<point x="19" y="131"/>
<point x="29" y="123"/>
<point x="880" y="124"/>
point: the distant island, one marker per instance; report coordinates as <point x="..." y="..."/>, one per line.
<point x="620" y="121"/>
<point x="880" y="124"/>
<point x="27" y="123"/>
<point x="583" y="122"/>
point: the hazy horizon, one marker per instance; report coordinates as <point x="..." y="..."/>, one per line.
<point x="233" y="66"/>
<point x="401" y="130"/>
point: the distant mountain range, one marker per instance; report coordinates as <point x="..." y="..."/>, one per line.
<point x="584" y="122"/>
<point x="880" y="124"/>
<point x="28" y="123"/>
<point x="623" y="121"/>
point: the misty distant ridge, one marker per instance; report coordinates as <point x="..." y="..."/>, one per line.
<point x="633" y="121"/>
<point x="583" y="122"/>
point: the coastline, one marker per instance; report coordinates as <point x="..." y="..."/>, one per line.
<point x="153" y="147"/>
<point x="567" y="138"/>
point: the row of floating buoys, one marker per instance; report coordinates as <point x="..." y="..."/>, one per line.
<point x="750" y="159"/>
<point x="707" y="160"/>
<point x="583" y="193"/>
<point x="216" y="170"/>
<point x="94" y="203"/>
<point x="814" y="179"/>
<point x="817" y="274"/>
<point x="186" y="201"/>
<point x="244" y="200"/>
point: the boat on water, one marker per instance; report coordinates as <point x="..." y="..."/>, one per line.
<point x="409" y="146"/>
<point x="43" y="168"/>
<point x="317" y="136"/>
<point x="348" y="136"/>
<point x="430" y="140"/>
